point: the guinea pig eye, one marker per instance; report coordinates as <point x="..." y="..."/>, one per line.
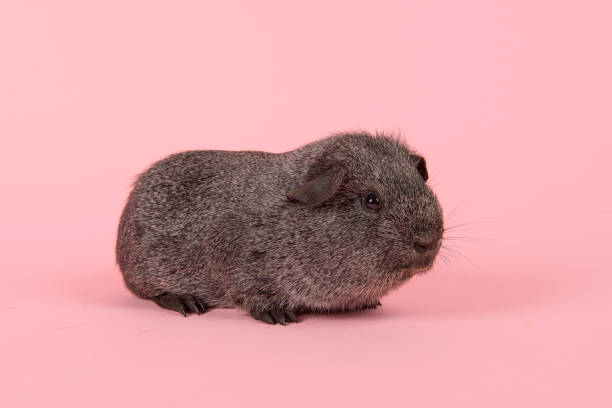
<point x="372" y="201"/>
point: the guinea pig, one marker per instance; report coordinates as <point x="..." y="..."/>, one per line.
<point x="331" y="226"/>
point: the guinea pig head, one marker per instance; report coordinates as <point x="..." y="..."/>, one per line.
<point x="370" y="197"/>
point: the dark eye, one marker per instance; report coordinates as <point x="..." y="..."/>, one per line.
<point x="372" y="201"/>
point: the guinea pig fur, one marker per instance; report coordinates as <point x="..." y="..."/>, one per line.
<point x="333" y="225"/>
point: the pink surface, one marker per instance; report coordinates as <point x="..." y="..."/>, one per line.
<point x="510" y="101"/>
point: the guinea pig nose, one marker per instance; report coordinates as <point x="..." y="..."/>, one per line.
<point x="425" y="244"/>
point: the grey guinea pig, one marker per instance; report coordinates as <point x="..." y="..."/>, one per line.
<point x="333" y="225"/>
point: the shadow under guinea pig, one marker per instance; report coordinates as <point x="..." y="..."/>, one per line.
<point x="439" y="293"/>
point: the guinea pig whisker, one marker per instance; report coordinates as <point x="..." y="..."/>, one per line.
<point x="450" y="247"/>
<point x="463" y="238"/>
<point x="444" y="251"/>
<point x="452" y="213"/>
<point x="447" y="248"/>
<point x="439" y="171"/>
<point x="455" y="252"/>
<point x="461" y="206"/>
<point x="464" y="225"/>
<point x="455" y="226"/>
<point x="443" y="257"/>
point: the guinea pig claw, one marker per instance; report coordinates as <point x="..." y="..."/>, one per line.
<point x="201" y="305"/>
<point x="171" y="302"/>
<point x="185" y="304"/>
<point x="278" y="316"/>
<point x="275" y="316"/>
<point x="192" y="304"/>
<point x="263" y="317"/>
<point x="291" y="316"/>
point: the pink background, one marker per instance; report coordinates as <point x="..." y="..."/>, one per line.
<point x="510" y="101"/>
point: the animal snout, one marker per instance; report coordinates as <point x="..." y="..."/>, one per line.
<point x="427" y="244"/>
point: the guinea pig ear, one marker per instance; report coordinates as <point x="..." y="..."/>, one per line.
<point x="421" y="167"/>
<point x="320" y="188"/>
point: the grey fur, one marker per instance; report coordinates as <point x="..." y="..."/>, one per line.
<point x="228" y="228"/>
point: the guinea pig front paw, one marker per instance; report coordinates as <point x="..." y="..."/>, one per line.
<point x="184" y="304"/>
<point x="273" y="316"/>
<point x="369" y="305"/>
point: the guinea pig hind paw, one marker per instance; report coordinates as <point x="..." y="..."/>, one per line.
<point x="275" y="316"/>
<point x="184" y="304"/>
